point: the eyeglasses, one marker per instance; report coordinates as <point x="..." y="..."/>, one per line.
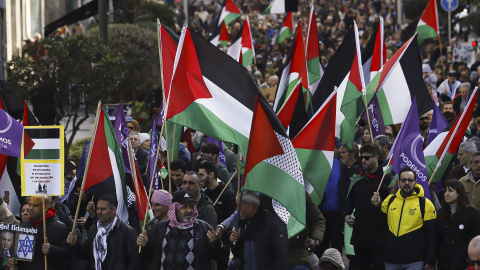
<point x="366" y="157"/>
<point x="403" y="180"/>
<point x="472" y="263"/>
<point x="423" y="119"/>
<point x="131" y="127"/>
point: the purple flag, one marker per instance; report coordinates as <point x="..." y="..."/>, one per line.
<point x="439" y="123"/>
<point x="11" y="132"/>
<point x="121" y="131"/>
<point x="161" y="114"/>
<point x="376" y="118"/>
<point x="409" y="149"/>
<point x="152" y="169"/>
<point x="221" y="154"/>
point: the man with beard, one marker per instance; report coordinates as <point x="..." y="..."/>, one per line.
<point x="470" y="181"/>
<point x="425" y="121"/>
<point x="411" y="240"/>
<point x="182" y="241"/>
<point x="447" y="111"/>
<point x="369" y="226"/>
<point x="465" y="152"/>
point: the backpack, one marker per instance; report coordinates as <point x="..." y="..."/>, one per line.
<point x="420" y="199"/>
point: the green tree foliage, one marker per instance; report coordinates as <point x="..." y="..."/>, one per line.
<point x="78" y="70"/>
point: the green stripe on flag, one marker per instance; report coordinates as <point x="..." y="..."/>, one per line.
<point x="313" y="67"/>
<point x="316" y="172"/>
<point x="425" y="32"/>
<point x="386" y="114"/>
<point x="352" y="106"/>
<point x="247" y="58"/>
<point x="231" y="17"/>
<point x="44" y="154"/>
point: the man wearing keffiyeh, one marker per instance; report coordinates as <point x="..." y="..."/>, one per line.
<point x="110" y="243"/>
<point x="182" y="241"/>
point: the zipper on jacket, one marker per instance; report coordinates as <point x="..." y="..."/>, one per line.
<point x="400" y="220"/>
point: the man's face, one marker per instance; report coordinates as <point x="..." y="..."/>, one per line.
<point x="35" y="210"/>
<point x="463" y="157"/>
<point x="7" y="241"/>
<point x="383" y="149"/>
<point x="447" y="108"/>
<point x="475" y="164"/>
<point x="105" y="214"/>
<point x="425" y="121"/>
<point x="205" y="179"/>
<point x="177" y="176"/>
<point x="407" y="182"/>
<point x="246" y="210"/>
<point x="159" y="210"/>
<point x="135" y="141"/>
<point x="464" y="92"/>
<point x="190" y="184"/>
<point x="369" y="162"/>
<point x="474" y="255"/>
<point x="185" y="214"/>
<point x="451" y="78"/>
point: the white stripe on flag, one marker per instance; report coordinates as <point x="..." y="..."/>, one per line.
<point x="46" y="144"/>
<point x="397" y="94"/>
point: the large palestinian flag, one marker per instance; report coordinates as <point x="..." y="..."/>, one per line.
<point x="211" y="92"/>
<point x="399" y="80"/>
<point x="229" y="13"/>
<point x="281" y="6"/>
<point x="374" y="55"/>
<point x="295" y="68"/>
<point x="286" y="31"/>
<point x="316" y="155"/>
<point x="105" y="171"/>
<point x="272" y="167"/>
<point x="440" y="151"/>
<point x="312" y="53"/>
<point x="428" y="24"/>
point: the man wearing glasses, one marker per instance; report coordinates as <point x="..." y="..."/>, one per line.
<point x="425" y="121"/>
<point x="474" y="253"/>
<point x="369" y="226"/>
<point x="411" y="240"/>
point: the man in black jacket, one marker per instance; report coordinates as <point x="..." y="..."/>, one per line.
<point x="55" y="249"/>
<point x="369" y="226"/>
<point x="110" y="244"/>
<point x="168" y="245"/>
<point x="261" y="241"/>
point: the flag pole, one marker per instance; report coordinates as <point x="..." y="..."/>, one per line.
<point x="168" y="159"/>
<point x="225" y="187"/>
<point x="45" y="228"/>
<point x="381" y="181"/>
<point x="368" y="117"/>
<point x="238" y="171"/>
<point x="86" y="167"/>
<point x="441" y="54"/>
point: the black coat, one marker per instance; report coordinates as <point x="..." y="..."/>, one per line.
<point x="204" y="252"/>
<point x="453" y="239"/>
<point x="269" y="235"/>
<point x="58" y="256"/>
<point x="122" y="249"/>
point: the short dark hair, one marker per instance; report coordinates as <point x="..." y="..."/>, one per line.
<point x="407" y="169"/>
<point x="209" y="167"/>
<point x="112" y="201"/>
<point x="178" y="164"/>
<point x="371" y="149"/>
<point x="211" y="148"/>
<point x="382" y="140"/>
<point x="445" y="103"/>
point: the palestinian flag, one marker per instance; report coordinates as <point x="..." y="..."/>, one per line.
<point x="211" y="92"/>
<point x="293" y="114"/>
<point x="428" y="24"/>
<point x="47" y="144"/>
<point x="314" y="65"/>
<point x="440" y="151"/>
<point x="351" y="93"/>
<point x="374" y="55"/>
<point x="286" y="31"/>
<point x="272" y="167"/>
<point x="316" y="156"/>
<point x="399" y="80"/>
<point x="281" y="6"/>
<point x="105" y="173"/>
<point x="241" y="48"/>
<point x="221" y="36"/>
<point x="295" y="68"/>
<point x="229" y="13"/>
<point x="141" y="198"/>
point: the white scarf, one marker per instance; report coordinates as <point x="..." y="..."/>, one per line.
<point x="100" y="242"/>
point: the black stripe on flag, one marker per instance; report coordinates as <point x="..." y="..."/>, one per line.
<point x="43" y="133"/>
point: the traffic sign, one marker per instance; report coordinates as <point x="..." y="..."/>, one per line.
<point x="449" y="5"/>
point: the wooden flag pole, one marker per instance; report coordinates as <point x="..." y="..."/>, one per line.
<point x="238" y="171"/>
<point x="381" y="181"/>
<point x="432" y="176"/>
<point x="225" y="187"/>
<point x="44" y="229"/>
<point x="168" y="160"/>
<point x="86" y="167"/>
<point x="368" y="118"/>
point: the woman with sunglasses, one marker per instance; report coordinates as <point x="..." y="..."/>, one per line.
<point x="457" y="224"/>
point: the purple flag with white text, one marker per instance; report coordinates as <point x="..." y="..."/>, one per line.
<point x="409" y="149"/>
<point x="11" y="132"/>
<point x="221" y="155"/>
<point x="161" y="115"/>
<point x="439" y="123"/>
<point x="121" y="131"/>
<point x="376" y="118"/>
<point x="152" y="169"/>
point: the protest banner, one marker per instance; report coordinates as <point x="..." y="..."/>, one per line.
<point x="17" y="242"/>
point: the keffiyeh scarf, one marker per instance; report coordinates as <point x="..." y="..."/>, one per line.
<point x="100" y="242"/>
<point x="172" y="215"/>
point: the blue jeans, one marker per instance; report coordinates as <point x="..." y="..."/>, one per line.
<point x="405" y="266"/>
<point x="300" y="267"/>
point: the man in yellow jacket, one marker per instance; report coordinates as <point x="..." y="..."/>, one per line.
<point x="411" y="241"/>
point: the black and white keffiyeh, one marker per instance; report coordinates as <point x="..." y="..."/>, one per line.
<point x="100" y="242"/>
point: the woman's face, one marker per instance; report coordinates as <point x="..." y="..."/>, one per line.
<point x="146" y="144"/>
<point x="25" y="215"/>
<point x="366" y="135"/>
<point x="451" y="196"/>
